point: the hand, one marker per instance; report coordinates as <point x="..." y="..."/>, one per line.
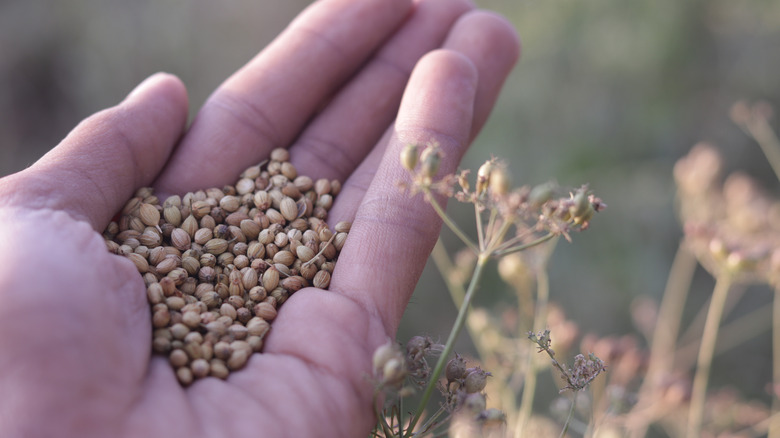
<point x="74" y="323"/>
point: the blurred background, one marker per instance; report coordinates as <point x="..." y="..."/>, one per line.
<point x="608" y="92"/>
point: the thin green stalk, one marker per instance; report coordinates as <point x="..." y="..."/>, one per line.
<point x="540" y="321"/>
<point x="709" y="336"/>
<point x="447" y="221"/>
<point x="456" y="328"/>
<point x="568" y="418"/>
<point x="774" y="424"/>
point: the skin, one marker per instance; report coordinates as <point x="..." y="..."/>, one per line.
<point x="344" y="88"/>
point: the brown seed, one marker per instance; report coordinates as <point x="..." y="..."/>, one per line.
<point x="172" y="215"/>
<point x="304" y="253"/>
<point x="140" y="262"/>
<point x="180" y="239"/>
<point x="250" y="228"/>
<point x="211" y="299"/>
<point x="237" y="331"/>
<point x="243" y="315"/>
<point x="200" y="368"/>
<point x="288" y="208"/>
<point x="200" y="209"/>
<point x="219" y="369"/>
<point x="265" y="310"/>
<point x="228" y="310"/>
<point x="154" y="293"/>
<point x="238" y="359"/>
<point x="339" y="240"/>
<point x="149" y="215"/>
<point x="284" y="257"/>
<point x="178" y="358"/>
<point x="161" y="345"/>
<point x="322" y="186"/>
<point x="216" y="246"/>
<point x="222" y="350"/>
<point x="191" y="319"/>
<point x="184" y="375"/>
<point x="161" y="318"/>
<point x="190" y="225"/>
<point x="270" y="279"/>
<point x="322" y="280"/>
<point x="257" y="327"/>
<point x="256" y="342"/>
<point x="343" y="227"/>
<point x="249" y="278"/>
<point x="293" y="283"/>
<point x="167" y="265"/>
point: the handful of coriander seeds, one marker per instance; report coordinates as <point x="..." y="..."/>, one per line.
<point x="218" y="263"/>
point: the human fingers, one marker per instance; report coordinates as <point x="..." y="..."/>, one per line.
<point x="338" y="139"/>
<point x="266" y="103"/>
<point x="492" y="45"/>
<point x="107" y="156"/>
<point x="393" y="234"/>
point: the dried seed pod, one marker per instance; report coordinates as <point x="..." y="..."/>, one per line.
<point x="178" y="358"/>
<point x="200" y="368"/>
<point x="321" y="280"/>
<point x="219" y="369"/>
<point x="284" y="257"/>
<point x="257" y="327"/>
<point x="149" y="215"/>
<point x="288" y="208"/>
<point x="265" y="310"/>
<point x="216" y="246"/>
<point x="139" y="261"/>
<point x="180" y="239"/>
<point x="304" y="253"/>
<point x="238" y="359"/>
<point x="293" y="283"/>
<point x="270" y="279"/>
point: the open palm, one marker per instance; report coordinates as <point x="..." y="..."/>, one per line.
<point x="344" y="87"/>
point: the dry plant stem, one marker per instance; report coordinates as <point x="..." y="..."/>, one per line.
<point x="762" y="132"/>
<point x="733" y="334"/>
<point x="540" y="321"/>
<point x="447" y="221"/>
<point x="568" y="417"/>
<point x="667" y="328"/>
<point x="480" y="233"/>
<point x="525" y="246"/>
<point x="774" y="424"/>
<point x="456" y="328"/>
<point x="710" y="335"/>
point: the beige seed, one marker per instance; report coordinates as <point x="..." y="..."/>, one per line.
<point x="203" y="235"/>
<point x="219" y="369"/>
<point x="256" y="342"/>
<point x="172" y="215"/>
<point x="167" y="265"/>
<point x="161" y="345"/>
<point x="284" y="257"/>
<point x="304" y="253"/>
<point x="149" y="215"/>
<point x="257" y="327"/>
<point x="288" y="208"/>
<point x="161" y="318"/>
<point x="321" y="280"/>
<point x="249" y="278"/>
<point x="175" y="303"/>
<point x="139" y="261"/>
<point x="180" y="239"/>
<point x="178" y="358"/>
<point x="265" y="310"/>
<point x="238" y="359"/>
<point x="343" y="227"/>
<point x="244" y="186"/>
<point x="190" y="225"/>
<point x="200" y="368"/>
<point x="293" y="283"/>
<point x="270" y="279"/>
<point x="216" y="246"/>
<point x="184" y="375"/>
<point x="230" y="203"/>
<point x="191" y="319"/>
<point x="154" y="293"/>
<point x="250" y="228"/>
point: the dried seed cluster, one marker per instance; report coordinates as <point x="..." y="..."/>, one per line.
<point x="217" y="263"/>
